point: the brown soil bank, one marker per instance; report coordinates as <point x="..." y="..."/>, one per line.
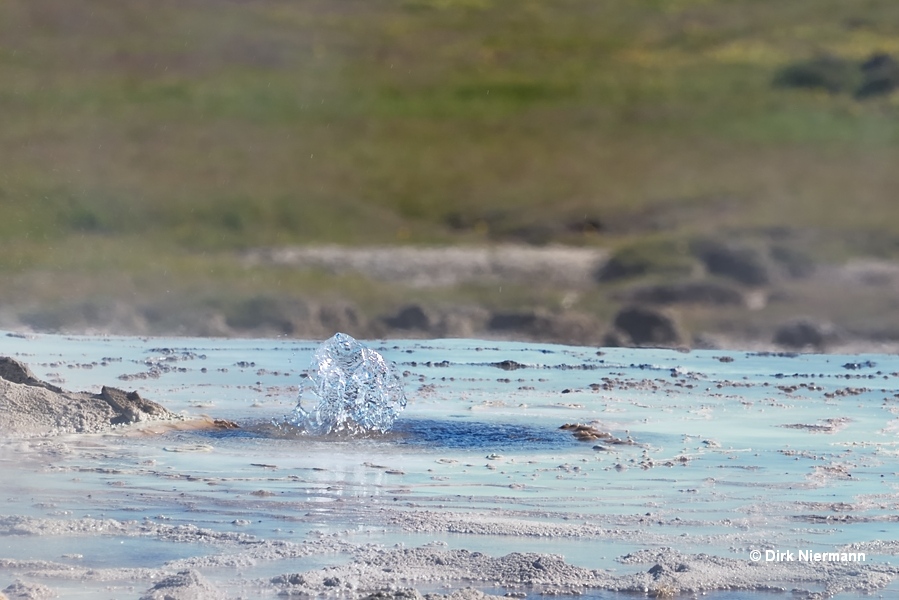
<point x="752" y="293"/>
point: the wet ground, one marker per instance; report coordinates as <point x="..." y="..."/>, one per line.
<point x="688" y="464"/>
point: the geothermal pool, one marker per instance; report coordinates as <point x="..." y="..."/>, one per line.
<point x="706" y="458"/>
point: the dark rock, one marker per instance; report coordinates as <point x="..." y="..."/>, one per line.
<point x="826" y="72"/>
<point x="741" y="263"/>
<point x="508" y="365"/>
<point x="657" y="571"/>
<point x="793" y="262"/>
<point x="512" y="321"/>
<point x="689" y="292"/>
<point x="412" y="316"/>
<point x="802" y="333"/>
<point x="647" y="326"/>
<point x="876" y="76"/>
<point x="647" y="258"/>
<point x="881" y="73"/>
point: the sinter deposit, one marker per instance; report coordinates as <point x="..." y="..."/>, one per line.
<point x="31" y="407"/>
<point x="521" y="470"/>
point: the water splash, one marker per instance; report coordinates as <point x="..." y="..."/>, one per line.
<point x="351" y="389"/>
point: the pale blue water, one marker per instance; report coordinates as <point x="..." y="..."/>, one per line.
<point x="732" y="450"/>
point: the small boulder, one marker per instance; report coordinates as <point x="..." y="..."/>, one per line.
<point x="794" y="262"/>
<point x="881" y="73"/>
<point x="647" y="326"/>
<point x="802" y="333"/>
<point x="713" y="293"/>
<point x="743" y="263"/>
<point x="666" y="258"/>
<point x="412" y="316"/>
<point x="826" y="72"/>
<point x="185" y="585"/>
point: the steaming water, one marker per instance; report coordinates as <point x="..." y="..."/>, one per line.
<point x="731" y="451"/>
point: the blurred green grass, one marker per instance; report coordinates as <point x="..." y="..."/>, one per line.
<point x="174" y="132"/>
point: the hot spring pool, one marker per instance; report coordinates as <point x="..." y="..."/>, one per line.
<point x="720" y="454"/>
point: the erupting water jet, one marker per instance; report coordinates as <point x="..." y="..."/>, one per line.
<point x="350" y="389"/>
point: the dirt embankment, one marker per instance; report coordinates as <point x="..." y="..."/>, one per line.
<point x="754" y="294"/>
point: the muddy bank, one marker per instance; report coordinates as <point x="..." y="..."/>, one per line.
<point x="31" y="407"/>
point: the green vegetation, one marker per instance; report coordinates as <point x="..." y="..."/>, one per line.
<point x="144" y="142"/>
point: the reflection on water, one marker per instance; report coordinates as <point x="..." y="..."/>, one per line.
<point x="474" y="435"/>
<point x="462" y="433"/>
<point x="99" y="552"/>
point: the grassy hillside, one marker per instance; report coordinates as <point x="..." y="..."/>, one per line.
<point x="153" y="136"/>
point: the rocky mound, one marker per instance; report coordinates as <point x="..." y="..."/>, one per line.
<point x="31" y="407"/>
<point x="185" y="585"/>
